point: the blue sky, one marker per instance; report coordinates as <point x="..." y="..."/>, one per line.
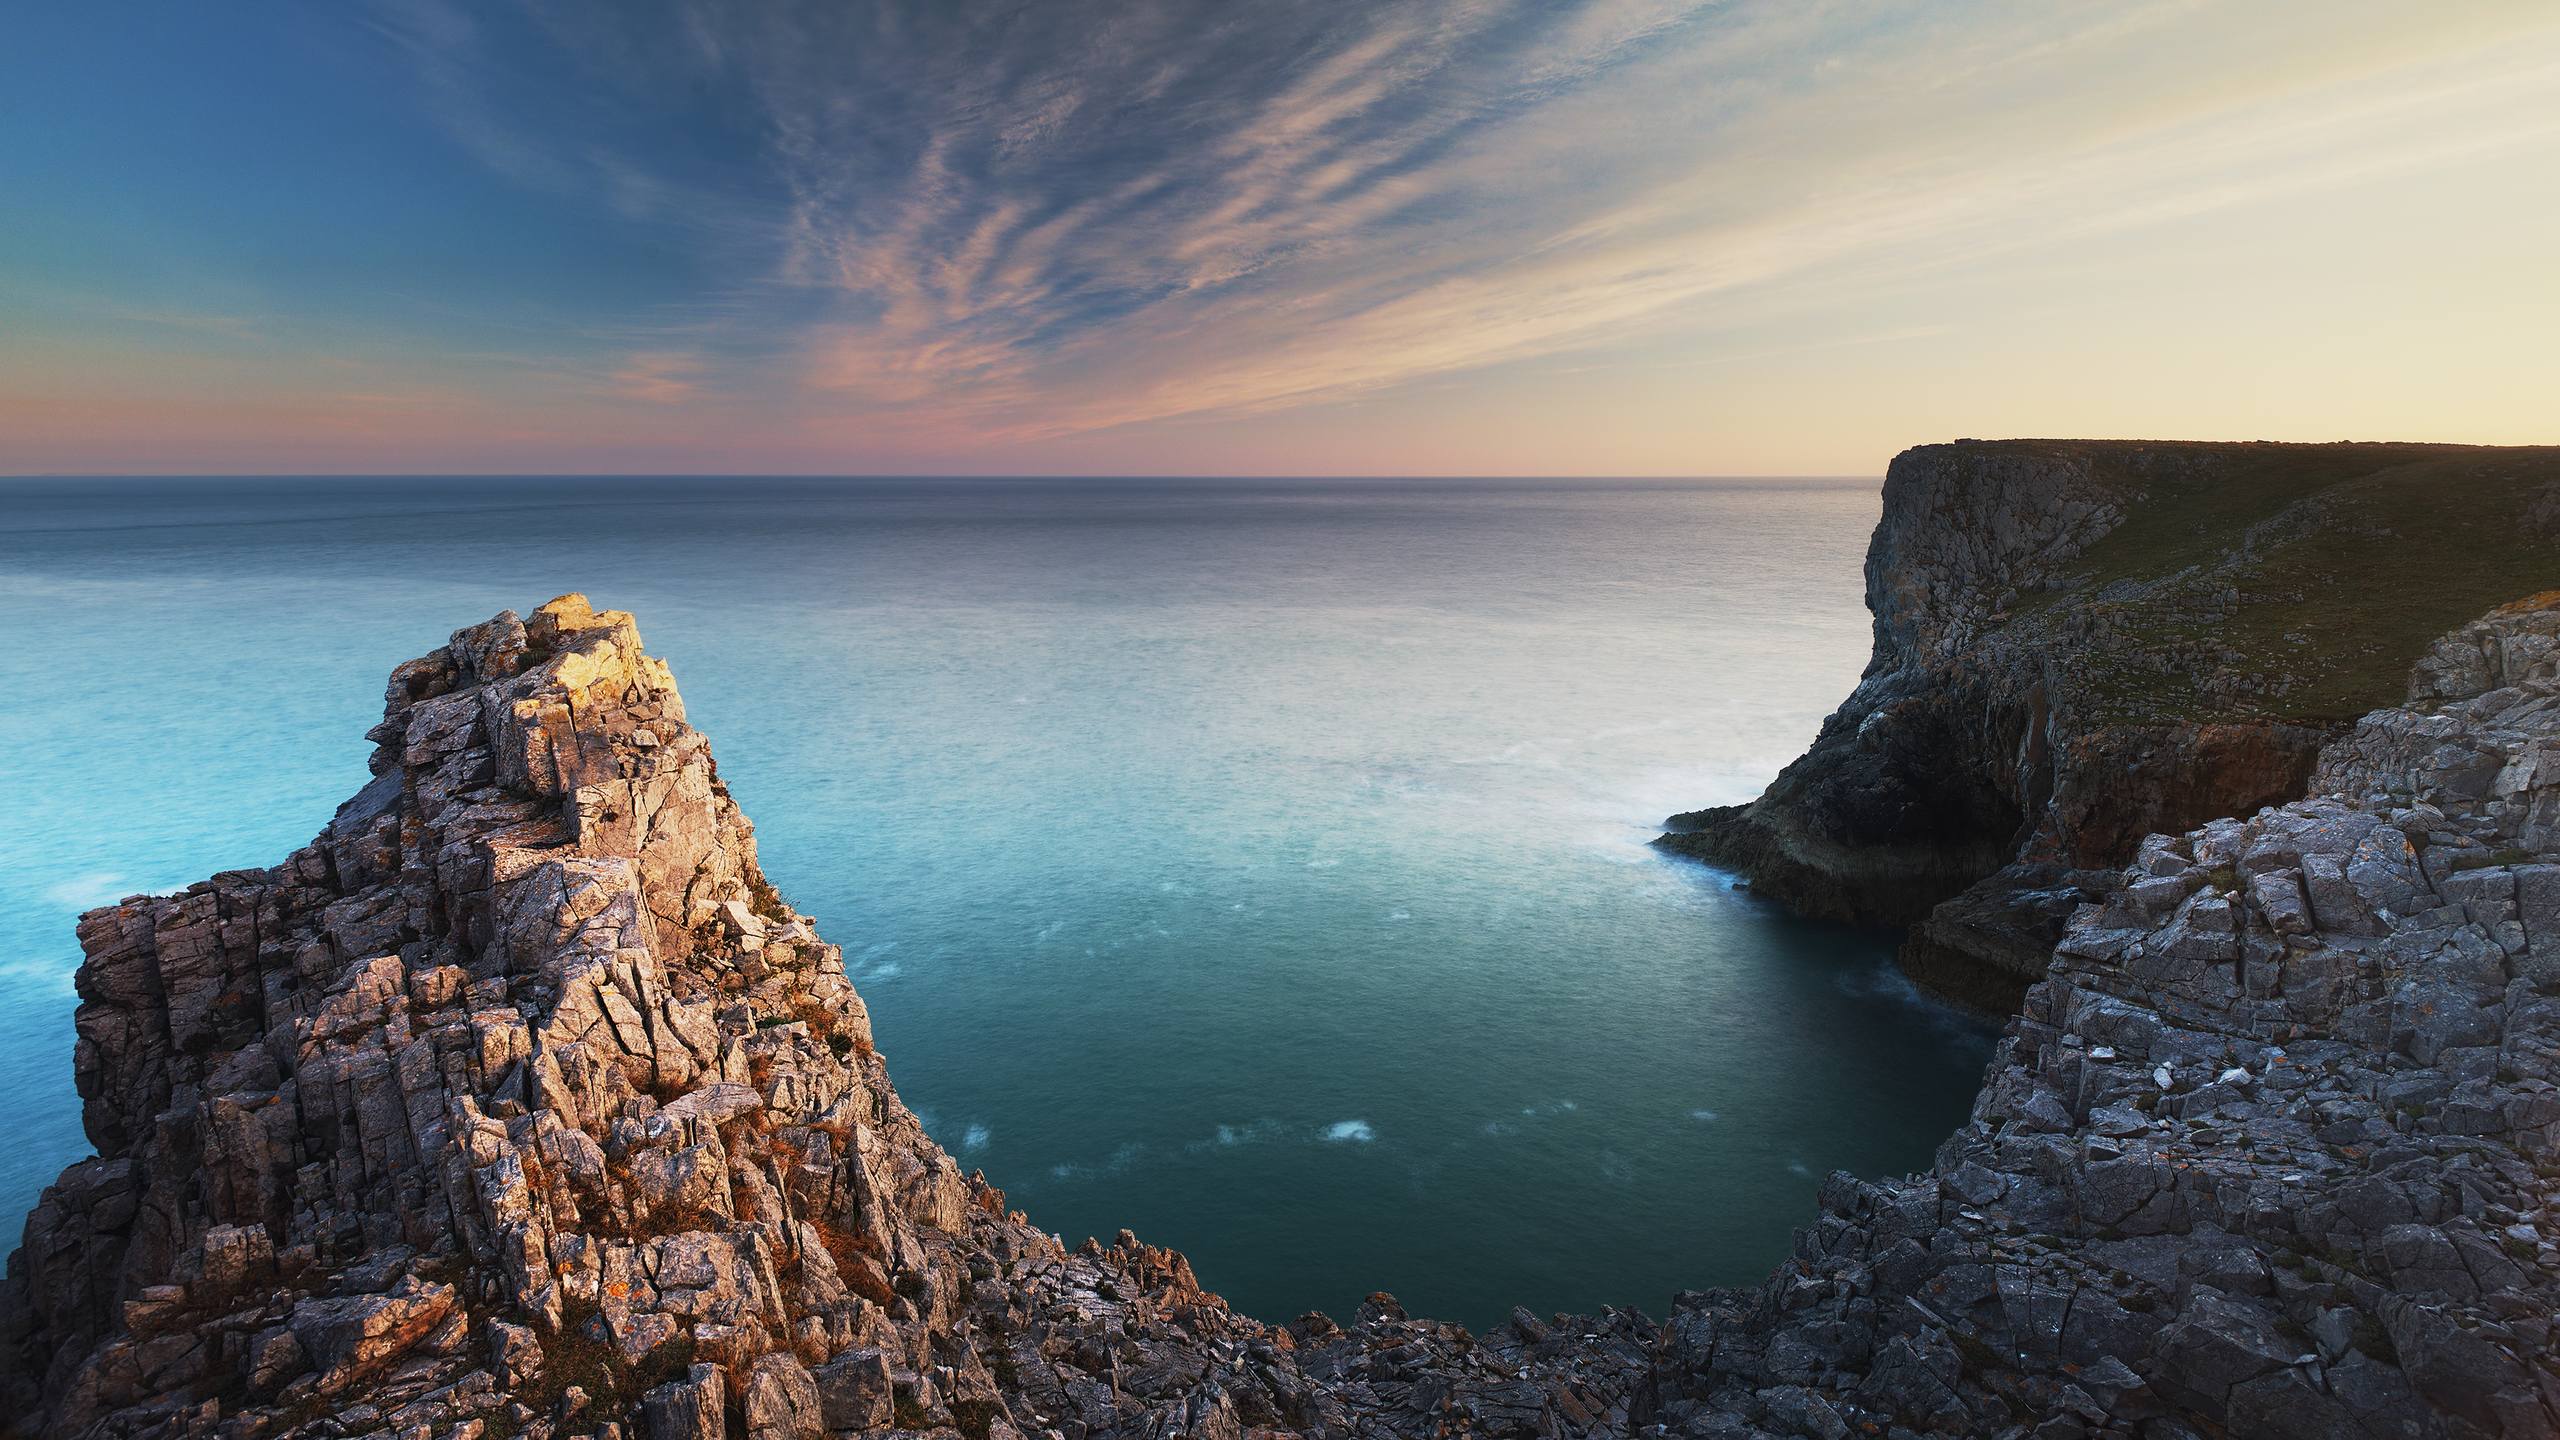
<point x="1613" y="236"/>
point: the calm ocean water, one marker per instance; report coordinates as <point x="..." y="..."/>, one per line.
<point x="1259" y="865"/>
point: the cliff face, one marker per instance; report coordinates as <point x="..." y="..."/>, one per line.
<point x="2078" y="644"/>
<point x="2267" y="1151"/>
<point x="519" y="1104"/>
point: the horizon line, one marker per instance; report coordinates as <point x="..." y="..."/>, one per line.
<point x="425" y="474"/>
<point x="903" y="475"/>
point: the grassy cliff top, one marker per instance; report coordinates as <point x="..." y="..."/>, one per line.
<point x="2288" y="582"/>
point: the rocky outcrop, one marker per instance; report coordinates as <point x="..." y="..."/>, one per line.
<point x="519" y="1104"/>
<point x="2079" y="644"/>
<point x="2267" y="1152"/>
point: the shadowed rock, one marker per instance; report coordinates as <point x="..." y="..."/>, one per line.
<point x="2079" y="643"/>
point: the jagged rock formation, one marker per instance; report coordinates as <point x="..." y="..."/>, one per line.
<point x="2078" y="644"/>
<point x="2270" y="1150"/>
<point x="519" y="1104"/>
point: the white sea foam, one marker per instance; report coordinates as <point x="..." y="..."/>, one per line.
<point x="1886" y="982"/>
<point x="44" y="973"/>
<point x="1356" y="1131"/>
<point x="88" y="892"/>
<point x="1121" y="1159"/>
<point x="974" y="1138"/>
<point x="1702" y="1116"/>
<point x="1254" y="1132"/>
<point x="1621" y="844"/>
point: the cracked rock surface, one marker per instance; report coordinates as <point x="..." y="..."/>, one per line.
<point x="518" y="1103"/>
<point x="2269" y="1151"/>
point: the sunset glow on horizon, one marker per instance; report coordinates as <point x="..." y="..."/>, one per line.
<point x="1615" y="237"/>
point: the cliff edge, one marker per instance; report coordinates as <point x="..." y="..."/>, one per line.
<point x="518" y="1104"/>
<point x="2081" y="643"/>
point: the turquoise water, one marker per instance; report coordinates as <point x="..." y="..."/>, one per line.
<point x="1258" y="865"/>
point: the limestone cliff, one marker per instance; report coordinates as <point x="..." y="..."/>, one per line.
<point x="519" y="1104"/>
<point x="2080" y="643"/>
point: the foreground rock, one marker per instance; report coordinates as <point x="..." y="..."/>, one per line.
<point x="519" y="1104"/>
<point x="2079" y="643"/>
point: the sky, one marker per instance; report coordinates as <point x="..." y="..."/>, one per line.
<point x="1614" y="237"/>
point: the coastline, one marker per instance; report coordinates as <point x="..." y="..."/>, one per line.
<point x="632" y="1140"/>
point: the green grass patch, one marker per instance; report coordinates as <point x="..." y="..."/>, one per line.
<point x="2290" y="583"/>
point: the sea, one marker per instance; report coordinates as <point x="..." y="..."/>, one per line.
<point x="1258" y="865"/>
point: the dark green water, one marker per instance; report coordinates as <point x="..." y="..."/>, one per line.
<point x="1257" y="865"/>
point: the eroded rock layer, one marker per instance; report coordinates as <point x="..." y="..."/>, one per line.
<point x="519" y="1104"/>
